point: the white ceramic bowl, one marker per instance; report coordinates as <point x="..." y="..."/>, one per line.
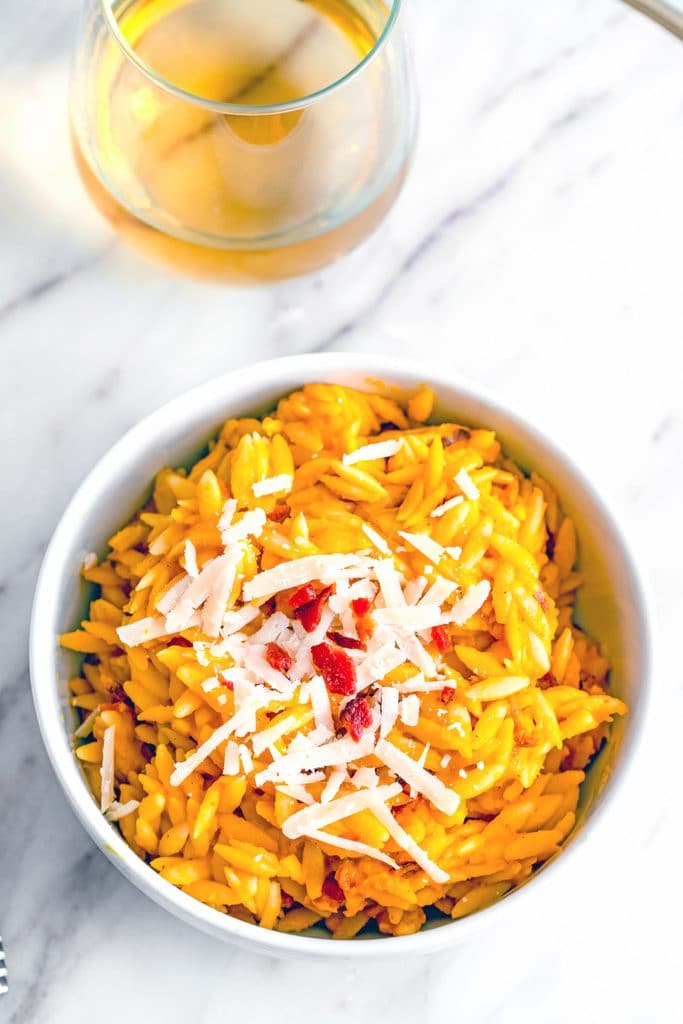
<point x="611" y="606"/>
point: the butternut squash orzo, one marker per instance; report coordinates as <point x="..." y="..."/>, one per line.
<point x="332" y="673"/>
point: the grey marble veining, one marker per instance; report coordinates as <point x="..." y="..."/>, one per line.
<point x="537" y="248"/>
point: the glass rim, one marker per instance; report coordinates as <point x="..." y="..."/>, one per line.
<point x="246" y="108"/>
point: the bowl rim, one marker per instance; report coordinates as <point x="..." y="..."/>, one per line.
<point x="144" y="436"/>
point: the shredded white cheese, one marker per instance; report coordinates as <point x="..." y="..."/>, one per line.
<point x="227" y="515"/>
<point x="376" y="539"/>
<point x="441" y="510"/>
<point x="191" y="567"/>
<point x="266" y="737"/>
<point x="364" y="778"/>
<point x="370" y="452"/>
<point x="424" y="544"/>
<point x="320" y="702"/>
<point x="303" y="570"/>
<point x="281" y="484"/>
<point x="231" y="764"/>
<point x="352" y="846"/>
<point x="389" y="710"/>
<point x="85" y="728"/>
<point x="418" y="778"/>
<point x="469" y="604"/>
<point x="118" y="811"/>
<point x="184" y="769"/>
<point x="404" y="840"/>
<point x="467" y="485"/>
<point x="320" y="815"/>
<point x="410" y="710"/>
<point x="410" y="617"/>
<point x="107" y="771"/>
<point x="334" y="783"/>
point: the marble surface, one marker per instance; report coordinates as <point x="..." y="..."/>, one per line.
<point x="537" y="248"/>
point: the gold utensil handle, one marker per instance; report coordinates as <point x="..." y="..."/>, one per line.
<point x="663" y="13"/>
<point x="3" y="971"/>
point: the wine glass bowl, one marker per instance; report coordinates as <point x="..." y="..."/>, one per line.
<point x="252" y="140"/>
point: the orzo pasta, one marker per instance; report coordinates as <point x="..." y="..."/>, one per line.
<point x="332" y="673"/>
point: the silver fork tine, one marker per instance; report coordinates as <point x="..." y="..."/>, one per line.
<point x="3" y="971"/>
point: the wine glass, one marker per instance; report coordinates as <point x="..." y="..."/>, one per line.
<point x="243" y="139"/>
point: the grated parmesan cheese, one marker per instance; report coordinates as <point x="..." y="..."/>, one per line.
<point x="266" y="737"/>
<point x="364" y="778"/>
<point x="352" y="846"/>
<point x="191" y="567"/>
<point x="418" y="778"/>
<point x="184" y="769"/>
<point x="135" y="633"/>
<point x="410" y="617"/>
<point x="441" y="510"/>
<point x="469" y="604"/>
<point x="281" y="484"/>
<point x="467" y="485"/>
<point x="370" y="452"/>
<point x="320" y="815"/>
<point x="336" y="779"/>
<point x="118" y="811"/>
<point x="410" y="710"/>
<point x="107" y="771"/>
<point x="376" y="539"/>
<point x="303" y="570"/>
<point x="227" y="515"/>
<point x="231" y="764"/>
<point x="389" y="710"/>
<point x="424" y="544"/>
<point x="400" y="836"/>
<point x="320" y="702"/>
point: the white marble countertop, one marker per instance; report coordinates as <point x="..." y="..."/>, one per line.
<point x="537" y="248"/>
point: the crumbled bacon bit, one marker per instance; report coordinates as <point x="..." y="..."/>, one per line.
<point x="310" y="614"/>
<point x="268" y="607"/>
<point x="302" y="596"/>
<point x="336" y="668"/>
<point x="365" y="627"/>
<point x="441" y="639"/>
<point x="287" y="901"/>
<point x="179" y="641"/>
<point x="357" y="717"/>
<point x="547" y="680"/>
<point x="279" y="514"/>
<point x="542" y="598"/>
<point x="350" y="642"/>
<point x="278" y="658"/>
<point x="447" y="695"/>
<point x="226" y="682"/>
<point x="361" y="606"/>
<point x="333" y="889"/>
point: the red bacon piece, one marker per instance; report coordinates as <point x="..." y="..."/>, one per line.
<point x="361" y="606"/>
<point x="333" y="889"/>
<point x="336" y="668"/>
<point x="349" y="642"/>
<point x="357" y="717"/>
<point x="302" y="596"/>
<point x="441" y="639"/>
<point x="278" y="658"/>
<point x="310" y="614"/>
